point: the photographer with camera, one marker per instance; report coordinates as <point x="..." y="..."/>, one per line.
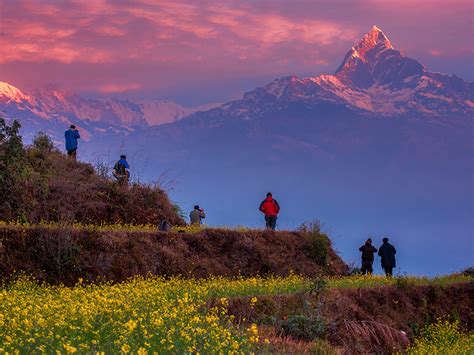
<point x="197" y="215"/>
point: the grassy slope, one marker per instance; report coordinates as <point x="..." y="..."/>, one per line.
<point x="51" y="187"/>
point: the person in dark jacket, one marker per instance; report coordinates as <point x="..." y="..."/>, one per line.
<point x="387" y="253"/>
<point x="368" y="251"/>
<point x="197" y="215"/>
<point x="270" y="208"/>
<point x="122" y="170"/>
<point x="72" y="135"/>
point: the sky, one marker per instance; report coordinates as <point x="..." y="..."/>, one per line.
<point x="197" y="52"/>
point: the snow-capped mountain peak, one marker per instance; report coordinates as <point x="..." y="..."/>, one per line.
<point x="375" y="39"/>
<point x="373" y="78"/>
<point x="360" y="63"/>
<point x="54" y="109"/>
<point x="9" y="93"/>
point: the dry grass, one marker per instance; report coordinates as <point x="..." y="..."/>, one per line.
<point x="274" y="342"/>
<point x="373" y="336"/>
<point x="116" y="255"/>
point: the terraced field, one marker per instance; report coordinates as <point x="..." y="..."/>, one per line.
<point x="175" y="315"/>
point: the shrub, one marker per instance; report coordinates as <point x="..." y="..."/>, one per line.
<point x="304" y="327"/>
<point x="318" y="244"/>
<point x="43" y="143"/>
<point x="468" y="271"/>
<point x="403" y="282"/>
<point x="353" y="270"/>
<point x="318" y="285"/>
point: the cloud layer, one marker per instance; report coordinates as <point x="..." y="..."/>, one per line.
<point x="178" y="48"/>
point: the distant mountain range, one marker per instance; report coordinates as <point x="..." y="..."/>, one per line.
<point x="376" y="96"/>
<point x="52" y="110"/>
<point x="382" y="145"/>
<point x="373" y="78"/>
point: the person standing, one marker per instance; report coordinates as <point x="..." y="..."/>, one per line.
<point x="368" y="251"/>
<point x="387" y="252"/>
<point x="71" y="136"/>
<point x="270" y="208"/>
<point x="121" y="170"/>
<point x="197" y="215"/>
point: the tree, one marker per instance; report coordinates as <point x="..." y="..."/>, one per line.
<point x="13" y="168"/>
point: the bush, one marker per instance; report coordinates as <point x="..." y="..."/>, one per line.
<point x="403" y="282"/>
<point x="353" y="270"/>
<point x="468" y="271"/>
<point x="303" y="327"/>
<point x="318" y="244"/>
<point x="318" y="285"/>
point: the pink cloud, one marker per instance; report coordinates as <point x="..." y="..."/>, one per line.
<point x="435" y="52"/>
<point x="118" y="88"/>
<point x="110" y="31"/>
<point x="165" y="46"/>
<point x="169" y="23"/>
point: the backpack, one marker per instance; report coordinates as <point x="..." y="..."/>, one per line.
<point x="119" y="168"/>
<point x="164" y="226"/>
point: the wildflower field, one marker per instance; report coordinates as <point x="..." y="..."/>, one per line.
<point x="443" y="337"/>
<point x="146" y="315"/>
<point x="129" y="227"/>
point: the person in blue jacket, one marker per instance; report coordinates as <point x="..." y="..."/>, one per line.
<point x="122" y="170"/>
<point x="72" y="135"/>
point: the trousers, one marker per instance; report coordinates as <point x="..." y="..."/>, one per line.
<point x="270" y="222"/>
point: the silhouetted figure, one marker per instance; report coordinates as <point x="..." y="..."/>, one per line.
<point x="197" y="215"/>
<point x="387" y="253"/>
<point x="164" y="226"/>
<point x="122" y="170"/>
<point x="72" y="135"/>
<point x="270" y="208"/>
<point x="368" y="251"/>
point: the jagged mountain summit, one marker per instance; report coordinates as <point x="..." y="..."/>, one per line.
<point x="357" y="68"/>
<point x="373" y="78"/>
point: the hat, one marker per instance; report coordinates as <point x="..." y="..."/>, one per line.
<point x="369" y="241"/>
<point x="72" y="126"/>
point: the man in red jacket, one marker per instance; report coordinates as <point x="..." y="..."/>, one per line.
<point x="270" y="208"/>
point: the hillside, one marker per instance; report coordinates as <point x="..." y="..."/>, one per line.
<point x="66" y="254"/>
<point x="81" y="257"/>
<point x="383" y="120"/>
<point x="63" y="221"/>
<point x="40" y="184"/>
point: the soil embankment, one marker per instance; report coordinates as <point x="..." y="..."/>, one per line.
<point x="381" y="319"/>
<point x="67" y="254"/>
